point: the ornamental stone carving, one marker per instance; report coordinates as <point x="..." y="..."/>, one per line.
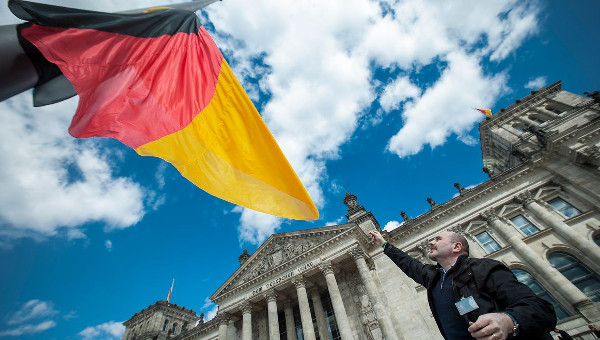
<point x="357" y="253"/>
<point x="279" y="252"/>
<point x="368" y="318"/>
<point x="489" y="215"/>
<point x="245" y="256"/>
<point x="270" y="295"/>
<point x="246" y="307"/>
<point x="459" y="187"/>
<point x="353" y="206"/>
<point x="404" y="216"/>
<point x="326" y="268"/>
<point x="524" y="198"/>
<point x="222" y="318"/>
<point x="299" y="282"/>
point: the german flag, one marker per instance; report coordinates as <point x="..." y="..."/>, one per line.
<point x="158" y="83"/>
<point x="486" y="112"/>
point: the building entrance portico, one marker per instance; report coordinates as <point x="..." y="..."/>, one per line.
<point x="304" y="285"/>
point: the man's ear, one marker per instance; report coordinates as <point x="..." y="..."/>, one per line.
<point x="458" y="246"/>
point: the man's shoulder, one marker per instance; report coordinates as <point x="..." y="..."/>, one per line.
<point x="483" y="264"/>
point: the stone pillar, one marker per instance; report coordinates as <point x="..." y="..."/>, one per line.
<point x="319" y="314"/>
<point x="308" y="330"/>
<point x="290" y="325"/>
<point x="552" y="219"/>
<point x="567" y="289"/>
<point x="246" y="321"/>
<point x="336" y="301"/>
<point x="273" y="317"/>
<point x="223" y="325"/>
<point x="387" y="328"/>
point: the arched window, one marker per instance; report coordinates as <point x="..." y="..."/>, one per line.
<point x="527" y="279"/>
<point x="555" y="109"/>
<point x="165" y="324"/>
<point x="173" y="328"/>
<point x="597" y="239"/>
<point x="581" y="276"/>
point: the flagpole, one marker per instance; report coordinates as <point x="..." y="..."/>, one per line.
<point x="192" y="6"/>
<point x="16" y="65"/>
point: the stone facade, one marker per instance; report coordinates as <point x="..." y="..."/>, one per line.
<point x="539" y="213"/>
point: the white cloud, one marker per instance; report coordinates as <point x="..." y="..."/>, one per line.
<point x="397" y="92"/>
<point x="211" y="313"/>
<point x="111" y="330"/>
<point x="32" y="309"/>
<point x="255" y="226"/>
<point x="446" y="108"/>
<point x="536" y="83"/>
<point x="28" y="329"/>
<point x="28" y="319"/>
<point x="391" y="225"/>
<point x="50" y="180"/>
<point x="319" y="59"/>
<point x="108" y="244"/>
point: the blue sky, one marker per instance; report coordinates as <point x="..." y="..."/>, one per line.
<point x="371" y="98"/>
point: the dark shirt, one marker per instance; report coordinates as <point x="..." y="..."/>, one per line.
<point x="453" y="324"/>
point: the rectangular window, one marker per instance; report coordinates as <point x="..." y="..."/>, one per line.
<point x="563" y="207"/>
<point x="487" y="242"/>
<point x="524" y="225"/>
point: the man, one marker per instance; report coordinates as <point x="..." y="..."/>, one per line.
<point x="474" y="298"/>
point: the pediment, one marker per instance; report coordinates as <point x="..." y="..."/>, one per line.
<point x="279" y="250"/>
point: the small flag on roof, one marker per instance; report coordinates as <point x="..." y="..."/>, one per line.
<point x="486" y="112"/>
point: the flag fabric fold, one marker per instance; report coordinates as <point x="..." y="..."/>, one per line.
<point x="158" y="83"/>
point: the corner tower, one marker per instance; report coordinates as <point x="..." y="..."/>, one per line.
<point x="159" y="321"/>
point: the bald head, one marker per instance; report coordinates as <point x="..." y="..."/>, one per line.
<point x="458" y="238"/>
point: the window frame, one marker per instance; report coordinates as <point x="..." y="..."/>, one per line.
<point x="520" y="229"/>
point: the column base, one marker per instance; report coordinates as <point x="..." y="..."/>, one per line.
<point x="590" y="310"/>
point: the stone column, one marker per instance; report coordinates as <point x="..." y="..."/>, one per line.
<point x="273" y="317"/>
<point x="567" y="289"/>
<point x="387" y="328"/>
<point x="246" y="321"/>
<point x="336" y="301"/>
<point x="223" y="325"/>
<point x="308" y="330"/>
<point x="290" y="325"/>
<point x="552" y="219"/>
<point x="319" y="314"/>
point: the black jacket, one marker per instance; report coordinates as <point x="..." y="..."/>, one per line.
<point x="493" y="286"/>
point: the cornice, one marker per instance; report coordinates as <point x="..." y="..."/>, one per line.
<point x="467" y="197"/>
<point x="292" y="235"/>
<point x="349" y="230"/>
<point x="508" y="113"/>
<point x="162" y="306"/>
<point x="200" y="329"/>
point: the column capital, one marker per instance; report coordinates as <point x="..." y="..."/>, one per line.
<point x="299" y="281"/>
<point x="270" y="295"/>
<point x="326" y="268"/>
<point x="489" y="215"/>
<point x="222" y="318"/>
<point x="524" y="198"/>
<point x="357" y="254"/>
<point x="246" y="307"/>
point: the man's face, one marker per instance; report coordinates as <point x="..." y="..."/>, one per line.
<point x="441" y="246"/>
